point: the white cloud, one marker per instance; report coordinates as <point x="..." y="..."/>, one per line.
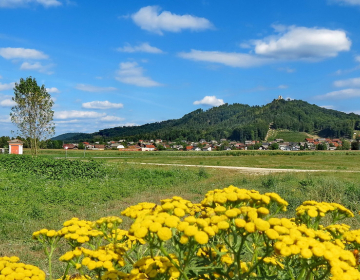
<point x="348" y="2"/>
<point x="7" y="103"/>
<point x="340" y="94"/>
<point x="148" y="18"/>
<point x="52" y="90"/>
<point x="91" y="88"/>
<point x="24" y="3"/>
<point x="210" y="100"/>
<point x="144" y="47"/>
<point x="328" y="106"/>
<point x="303" y="43"/>
<point x="78" y="114"/>
<point x="12" y="53"/>
<point x="230" y="59"/>
<point x="111" y="119"/>
<point x="283" y="86"/>
<point x="5" y="119"/>
<point x="355" y="82"/>
<point x="6" y="86"/>
<point x="37" y="66"/>
<point x="131" y="73"/>
<point x="287" y="69"/>
<point x="357" y="58"/>
<point x="102" y="105"/>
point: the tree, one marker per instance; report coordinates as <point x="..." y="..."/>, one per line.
<point x="32" y="114"/>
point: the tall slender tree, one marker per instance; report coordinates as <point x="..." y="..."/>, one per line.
<point x="32" y="114"/>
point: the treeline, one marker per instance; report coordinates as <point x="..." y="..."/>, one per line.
<point x="237" y="122"/>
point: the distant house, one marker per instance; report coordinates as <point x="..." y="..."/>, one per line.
<point x="189" y="148"/>
<point x="15" y="147"/>
<point x="148" y="148"/>
<point x="69" y="146"/>
<point x="132" y="148"/>
<point x="120" y="147"/>
<point x="99" y="147"/>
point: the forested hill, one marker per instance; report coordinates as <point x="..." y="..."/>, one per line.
<point x="236" y="122"/>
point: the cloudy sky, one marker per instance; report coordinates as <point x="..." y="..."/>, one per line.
<point x="118" y="63"/>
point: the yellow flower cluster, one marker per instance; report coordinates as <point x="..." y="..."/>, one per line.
<point x="139" y="210"/>
<point x="179" y="207"/>
<point x="76" y="276"/>
<point x="314" y="209"/>
<point x="273" y="261"/>
<point x="308" y="243"/>
<point x="103" y="258"/>
<point x="233" y="230"/>
<point x="108" y="222"/>
<point x="235" y="196"/>
<point x="151" y="267"/>
<point x="45" y="234"/>
<point x="11" y="269"/>
<point x="79" y="231"/>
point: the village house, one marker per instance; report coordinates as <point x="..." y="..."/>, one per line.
<point x="148" y="148"/>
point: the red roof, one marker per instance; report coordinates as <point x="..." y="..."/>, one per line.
<point x="150" y="146"/>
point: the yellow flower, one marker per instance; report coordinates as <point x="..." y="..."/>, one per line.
<point x="240" y="223"/>
<point x="285" y="251"/>
<point x="201" y="237"/>
<point x="272" y="234"/>
<point x="250" y="227"/>
<point x="220" y="209"/>
<point x="231" y="213"/>
<point x="223" y="225"/>
<point x="164" y="234"/>
<point x="167" y="206"/>
<point x="263" y="211"/>
<point x="184" y="239"/>
<point x="306" y="253"/>
<point x="172" y="221"/>
<point x="154" y="227"/>
<point x="312" y="212"/>
<point x="318" y="251"/>
<point x="275" y="221"/>
<point x="190" y="230"/>
<point x="182" y="226"/>
<point x="294" y="249"/>
<point x="141" y="232"/>
<point x="209" y="230"/>
<point x="261" y="224"/>
<point x="179" y="212"/>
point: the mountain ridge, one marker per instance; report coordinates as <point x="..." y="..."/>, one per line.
<point x="236" y="121"/>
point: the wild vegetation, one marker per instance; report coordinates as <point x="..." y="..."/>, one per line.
<point x="237" y="122"/>
<point x="30" y="202"/>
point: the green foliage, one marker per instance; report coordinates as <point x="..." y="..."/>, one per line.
<point x="238" y="122"/>
<point x="52" y="168"/>
<point x="33" y="112"/>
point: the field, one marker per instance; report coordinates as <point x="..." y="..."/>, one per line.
<point x="30" y="201"/>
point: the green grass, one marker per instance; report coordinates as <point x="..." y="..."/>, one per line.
<point x="288" y="136"/>
<point x="29" y="203"/>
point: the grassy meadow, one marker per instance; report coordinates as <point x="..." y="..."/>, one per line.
<point x="30" y="201"/>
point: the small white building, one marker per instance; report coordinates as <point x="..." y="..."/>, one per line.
<point x="16" y="147"/>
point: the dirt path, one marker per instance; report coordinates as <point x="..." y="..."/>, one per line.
<point x="252" y="170"/>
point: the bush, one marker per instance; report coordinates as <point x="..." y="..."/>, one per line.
<point x="52" y="168"/>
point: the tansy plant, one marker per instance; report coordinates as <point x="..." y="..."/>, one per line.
<point x="232" y="234"/>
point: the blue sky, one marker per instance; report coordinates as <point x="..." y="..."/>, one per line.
<point x="114" y="63"/>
